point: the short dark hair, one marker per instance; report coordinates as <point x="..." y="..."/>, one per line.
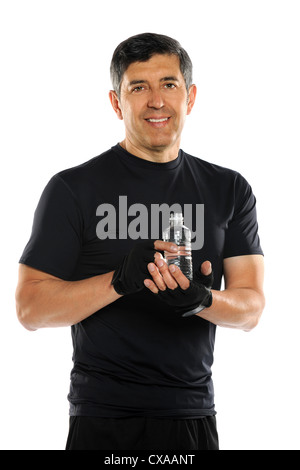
<point x="141" y="48"/>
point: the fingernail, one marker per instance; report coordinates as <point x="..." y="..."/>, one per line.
<point x="172" y="268"/>
<point x="174" y="248"/>
<point x="147" y="283"/>
<point x="160" y="263"/>
<point x="151" y="268"/>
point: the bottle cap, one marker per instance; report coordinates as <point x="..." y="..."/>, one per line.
<point x="176" y="218"/>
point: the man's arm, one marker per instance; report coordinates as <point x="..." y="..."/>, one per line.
<point x="242" y="302"/>
<point x="45" y="301"/>
<point x="240" y="305"/>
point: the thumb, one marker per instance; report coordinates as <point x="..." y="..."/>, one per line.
<point x="204" y="275"/>
<point x="206" y="268"/>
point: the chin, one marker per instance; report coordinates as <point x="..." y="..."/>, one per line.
<point x="161" y="144"/>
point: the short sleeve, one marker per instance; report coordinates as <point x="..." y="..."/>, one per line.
<point x="242" y="231"/>
<point x="55" y="242"/>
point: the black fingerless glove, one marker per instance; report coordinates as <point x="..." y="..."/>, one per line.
<point x="192" y="300"/>
<point x="130" y="274"/>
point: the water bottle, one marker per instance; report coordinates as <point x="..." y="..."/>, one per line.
<point x="181" y="235"/>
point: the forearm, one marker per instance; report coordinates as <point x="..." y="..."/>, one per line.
<point x="43" y="300"/>
<point x="238" y="308"/>
<point x="56" y="303"/>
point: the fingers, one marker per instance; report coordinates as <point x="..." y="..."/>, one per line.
<point x="180" y="278"/>
<point x="165" y="246"/>
<point x="160" y="275"/>
<point x="164" y="277"/>
<point x="151" y="286"/>
<point x="158" y="282"/>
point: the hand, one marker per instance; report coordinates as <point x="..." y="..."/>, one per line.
<point x="130" y="274"/>
<point x="188" y="297"/>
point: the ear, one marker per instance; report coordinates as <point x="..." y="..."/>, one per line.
<point x="115" y="104"/>
<point x="191" y="98"/>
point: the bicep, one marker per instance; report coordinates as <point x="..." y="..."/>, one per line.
<point x="244" y="272"/>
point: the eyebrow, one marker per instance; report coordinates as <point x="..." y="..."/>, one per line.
<point x="164" y="79"/>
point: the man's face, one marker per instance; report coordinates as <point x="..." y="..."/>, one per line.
<point x="154" y="103"/>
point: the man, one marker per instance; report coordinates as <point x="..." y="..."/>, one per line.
<point x="142" y="370"/>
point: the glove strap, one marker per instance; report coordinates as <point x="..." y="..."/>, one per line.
<point x="194" y="311"/>
<point x="198" y="309"/>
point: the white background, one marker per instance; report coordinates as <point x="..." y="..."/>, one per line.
<point x="55" y="113"/>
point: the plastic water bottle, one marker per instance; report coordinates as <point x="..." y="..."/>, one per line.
<point x="181" y="235"/>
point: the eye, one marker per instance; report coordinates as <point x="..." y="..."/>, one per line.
<point x="170" y="86"/>
<point x="137" y="89"/>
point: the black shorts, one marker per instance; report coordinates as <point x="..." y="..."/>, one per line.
<point x="94" y="433"/>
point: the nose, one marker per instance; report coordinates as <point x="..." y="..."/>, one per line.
<point x="155" y="99"/>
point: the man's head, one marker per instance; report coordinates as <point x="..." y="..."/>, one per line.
<point x="153" y="93"/>
<point x="141" y="48"/>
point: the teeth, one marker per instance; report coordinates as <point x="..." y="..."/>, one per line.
<point x="157" y="120"/>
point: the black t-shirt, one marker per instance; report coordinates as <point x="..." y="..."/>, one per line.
<point x="137" y="356"/>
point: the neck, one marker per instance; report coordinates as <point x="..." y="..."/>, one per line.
<point x="157" y="155"/>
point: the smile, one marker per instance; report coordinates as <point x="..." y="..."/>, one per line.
<point x="157" y="120"/>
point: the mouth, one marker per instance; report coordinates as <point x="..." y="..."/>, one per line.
<point x="158" y="122"/>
